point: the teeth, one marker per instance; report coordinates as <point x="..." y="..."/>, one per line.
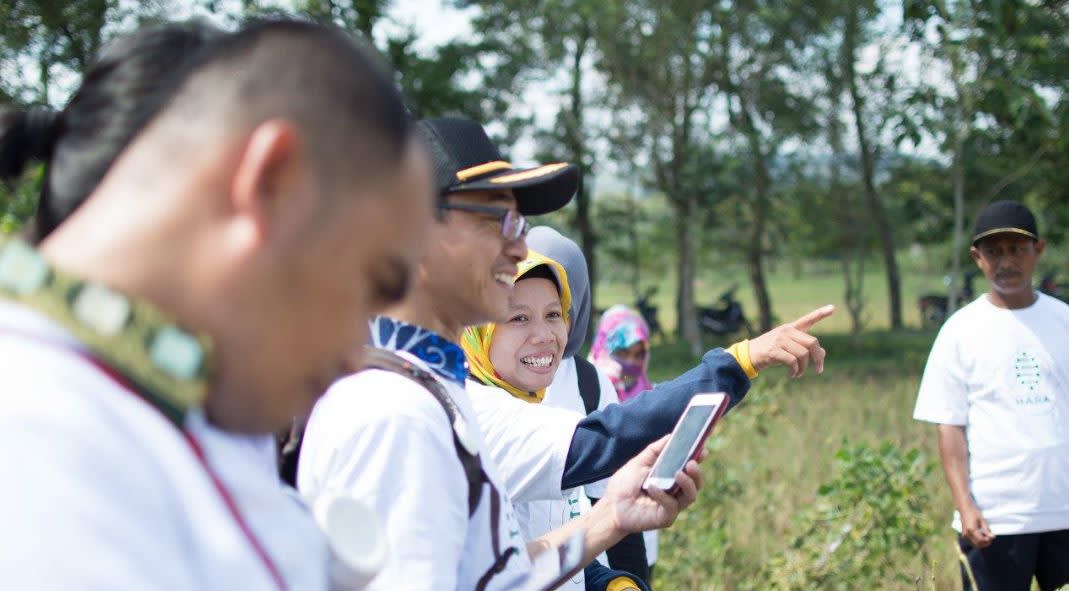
<point x="537" y="361"/>
<point x="504" y="278"/>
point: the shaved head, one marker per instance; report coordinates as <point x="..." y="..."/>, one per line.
<point x="333" y="87"/>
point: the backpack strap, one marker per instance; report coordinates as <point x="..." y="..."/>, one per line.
<point x="500" y="559"/>
<point x="375" y="358"/>
<point x="463" y="442"/>
<point x="589" y="386"/>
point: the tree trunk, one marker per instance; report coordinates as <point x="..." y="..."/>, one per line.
<point x="574" y="131"/>
<point x="755" y="268"/>
<point x="45" y="74"/>
<point x="958" y="178"/>
<point x="686" y="317"/>
<point x="762" y="192"/>
<point x="636" y="251"/>
<point x="852" y="227"/>
<point x="879" y="215"/>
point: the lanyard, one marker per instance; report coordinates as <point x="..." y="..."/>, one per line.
<point x="228" y="500"/>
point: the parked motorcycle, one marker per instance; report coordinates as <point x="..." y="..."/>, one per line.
<point x="934" y="307"/>
<point x="726" y="317"/>
<point x="1050" y="286"/>
<point x="645" y="306"/>
<point x="649" y="311"/>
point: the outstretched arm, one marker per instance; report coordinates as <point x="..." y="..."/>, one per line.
<point x="607" y="438"/>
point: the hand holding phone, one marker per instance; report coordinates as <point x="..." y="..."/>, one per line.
<point x="687" y="439"/>
<point x="632" y="509"/>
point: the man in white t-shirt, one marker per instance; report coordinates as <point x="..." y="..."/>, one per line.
<point x="997" y="384"/>
<point x="393" y="442"/>
<point x="160" y="333"/>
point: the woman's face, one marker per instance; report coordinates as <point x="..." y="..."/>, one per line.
<point x="526" y="349"/>
<point x="633" y="355"/>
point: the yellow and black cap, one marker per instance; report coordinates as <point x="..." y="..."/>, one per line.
<point x="1002" y="217"/>
<point x="466" y="160"/>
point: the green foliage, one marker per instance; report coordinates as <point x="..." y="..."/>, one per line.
<point x="872" y="512"/>
<point x="56" y="37"/>
<point x="18" y="201"/>
<point x="1009" y="98"/>
<point x="705" y="533"/>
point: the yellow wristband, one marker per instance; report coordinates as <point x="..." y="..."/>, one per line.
<point x="621" y="584"/>
<point x="741" y="352"/>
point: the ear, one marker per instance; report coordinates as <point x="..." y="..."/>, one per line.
<point x="975" y="254"/>
<point x="267" y="171"/>
<point x="1040" y="246"/>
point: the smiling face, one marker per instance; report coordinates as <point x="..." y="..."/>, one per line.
<point x="526" y="349"/>
<point x="1008" y="262"/>
<point x="469" y="266"/>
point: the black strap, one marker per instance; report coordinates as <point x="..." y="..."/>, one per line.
<point x="500" y="560"/>
<point x="288" y="443"/>
<point x="589" y="387"/>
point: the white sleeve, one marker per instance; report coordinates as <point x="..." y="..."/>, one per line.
<point x="527" y="442"/>
<point x="943" y="397"/>
<point x="608" y="396"/>
<point x="79" y="507"/>
<point x="398" y="457"/>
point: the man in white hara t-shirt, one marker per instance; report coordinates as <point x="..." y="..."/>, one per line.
<point x="997" y="384"/>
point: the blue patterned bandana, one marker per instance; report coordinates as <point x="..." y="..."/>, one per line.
<point x="441" y="355"/>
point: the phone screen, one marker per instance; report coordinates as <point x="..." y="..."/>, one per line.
<point x="676" y="454"/>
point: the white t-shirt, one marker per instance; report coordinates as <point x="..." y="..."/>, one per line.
<point x="386" y="440"/>
<point x="1004" y="375"/>
<point x="102" y="492"/>
<point x="564" y="393"/>
<point x="538" y="517"/>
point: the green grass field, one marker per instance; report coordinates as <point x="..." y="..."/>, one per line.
<point x="792" y="293"/>
<point x="779" y="447"/>
<point x="774" y="452"/>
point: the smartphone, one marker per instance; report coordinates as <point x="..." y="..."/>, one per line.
<point x="687" y="439"/>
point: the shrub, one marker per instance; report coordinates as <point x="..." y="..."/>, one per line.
<point x="870" y="515"/>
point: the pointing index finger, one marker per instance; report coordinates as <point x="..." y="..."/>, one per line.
<point x="806" y="322"/>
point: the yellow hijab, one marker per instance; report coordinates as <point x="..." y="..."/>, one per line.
<point x="476" y="340"/>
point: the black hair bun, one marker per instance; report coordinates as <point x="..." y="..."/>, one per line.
<point x="25" y="135"/>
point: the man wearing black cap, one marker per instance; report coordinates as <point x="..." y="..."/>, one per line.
<point x="410" y="444"/>
<point x="996" y="383"/>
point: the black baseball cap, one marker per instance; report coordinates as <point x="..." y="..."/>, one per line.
<point x="1001" y="217"/>
<point x="466" y="160"/>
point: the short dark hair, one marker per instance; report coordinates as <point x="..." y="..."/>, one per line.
<point x="332" y="86"/>
<point x="541" y="272"/>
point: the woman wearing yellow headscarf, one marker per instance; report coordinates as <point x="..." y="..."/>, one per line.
<point x="521" y="354"/>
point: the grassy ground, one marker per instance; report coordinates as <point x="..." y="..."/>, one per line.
<point x="772" y="455"/>
<point x="793" y="292"/>
<point x="779" y="447"/>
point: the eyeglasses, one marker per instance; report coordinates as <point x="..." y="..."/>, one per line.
<point x="513" y="225"/>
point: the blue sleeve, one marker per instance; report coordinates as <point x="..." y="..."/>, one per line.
<point x="598" y="576"/>
<point x="608" y="438"/>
